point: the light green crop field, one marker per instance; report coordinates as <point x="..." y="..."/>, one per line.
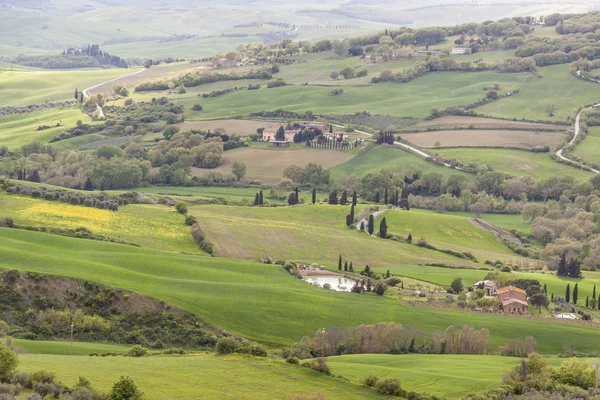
<point x="17" y="130"/>
<point x="63" y="347"/>
<point x="257" y="301"/>
<point x="374" y="158"/>
<point x="589" y="149"/>
<point x="516" y="162"/>
<point x="446" y="232"/>
<point x="22" y="88"/>
<point x="444" y="276"/>
<point x="204" y="376"/>
<point x="450" y="376"/>
<point x="554" y="86"/>
<point x="208" y="192"/>
<point x="146" y="225"/>
<point x="505" y="221"/>
<point x="415" y="98"/>
<point x="295" y="233"/>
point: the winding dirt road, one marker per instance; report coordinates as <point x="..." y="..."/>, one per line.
<point x="577" y="129"/>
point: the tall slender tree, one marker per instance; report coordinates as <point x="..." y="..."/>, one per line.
<point x="260" y="198"/>
<point x="351" y="267"/>
<point x="297" y="195"/>
<point x="575" y="293"/>
<point x="256" y="199"/>
<point x="371" y="225"/>
<point x="568" y="293"/>
<point x="314" y="196"/>
<point x="354" y="198"/>
<point x="340" y="263"/>
<point x="385" y="196"/>
<point x="344" y="198"/>
<point x="562" y="266"/>
<point x="333" y="199"/>
<point x="574" y="268"/>
<point x="346" y="266"/>
<point x="76" y="94"/>
<point x="383" y="229"/>
<point x="545" y="289"/>
<point x="587" y="301"/>
<point x="377" y="195"/>
<point x="409" y="238"/>
<point x="594" y="292"/>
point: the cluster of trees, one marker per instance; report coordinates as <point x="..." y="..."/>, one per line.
<point x="87" y="57"/>
<point x="324" y="143"/>
<point x="390" y="338"/>
<point x="202" y="78"/>
<point x="349" y="73"/>
<point x="313" y="175"/>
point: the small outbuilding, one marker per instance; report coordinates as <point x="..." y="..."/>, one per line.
<point x="280" y="143"/>
<point x="515" y="306"/>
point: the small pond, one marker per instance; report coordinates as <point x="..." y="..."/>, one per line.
<point x="337" y="282"/>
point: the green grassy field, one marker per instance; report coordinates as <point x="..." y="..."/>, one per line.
<point x="261" y="302"/>
<point x="147" y="225"/>
<point x="63" y="347"/>
<point x="505" y="221"/>
<point x="516" y="163"/>
<point x="22" y="88"/>
<point x="450" y="376"/>
<point x="439" y="90"/>
<point x="16" y="130"/>
<point x="589" y="149"/>
<point x="374" y="158"/>
<point x="446" y="232"/>
<point x="555" y="86"/>
<point x="205" y="376"/>
<point x="305" y="233"/>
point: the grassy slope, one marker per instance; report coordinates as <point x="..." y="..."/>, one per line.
<point x="21" y="88"/>
<point x="450" y="376"/>
<point x="589" y="149"/>
<point x="203" y="376"/>
<point x="152" y="226"/>
<point x="16" y="130"/>
<point x="516" y="163"/>
<point x="556" y="86"/>
<point x="415" y="98"/>
<point x="258" y="301"/>
<point x="63" y="347"/>
<point x="374" y="158"/>
<point x="309" y="233"/>
<point x="446" y="232"/>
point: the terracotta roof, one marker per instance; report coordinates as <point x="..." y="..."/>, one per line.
<point x="509" y="288"/>
<point x="509" y="301"/>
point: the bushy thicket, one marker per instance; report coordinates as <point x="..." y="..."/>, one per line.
<point x="30" y="311"/>
<point x="201" y="78"/>
<point x="87" y="57"/>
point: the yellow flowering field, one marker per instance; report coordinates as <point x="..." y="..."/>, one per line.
<point x="147" y="225"/>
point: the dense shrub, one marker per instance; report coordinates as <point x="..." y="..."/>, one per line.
<point x="227" y="345"/>
<point x="125" y="389"/>
<point x="390" y="387"/>
<point x="201" y="240"/>
<point x="8" y="362"/>
<point x="137" y="351"/>
<point x="292" y="360"/>
<point x="254" y="349"/>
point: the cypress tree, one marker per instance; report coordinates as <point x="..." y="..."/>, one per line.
<point x="88" y="185"/>
<point x="314" y="196"/>
<point x="377" y="196"/>
<point x="297" y="195"/>
<point x="362" y="225"/>
<point x="387" y="275"/>
<point x="562" y="266"/>
<point x="371" y="225"/>
<point x="351" y="267"/>
<point x="409" y="238"/>
<point x="401" y="284"/>
<point x="396" y="199"/>
<point x="594" y="292"/>
<point x="352" y="215"/>
<point x="587" y="301"/>
<point x="260" y="198"/>
<point x="552" y="297"/>
<point x="574" y="268"/>
<point x="568" y="293"/>
<point x="256" y="199"/>
<point x="383" y="229"/>
<point x="340" y="263"/>
<point x="346" y="266"/>
<point x="545" y="288"/>
<point x="354" y="198"/>
<point x="385" y="196"/>
<point x="330" y="128"/>
<point x="35" y="176"/>
<point x="333" y="199"/>
<point x="81" y="97"/>
<point x="575" y="293"/>
<point x="76" y="94"/>
<point x="344" y="198"/>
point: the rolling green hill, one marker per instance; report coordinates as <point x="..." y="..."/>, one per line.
<point x="261" y="302"/>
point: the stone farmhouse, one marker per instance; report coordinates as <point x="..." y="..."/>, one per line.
<point x="491" y="287"/>
<point x="269" y="135"/>
<point x="513" y="300"/>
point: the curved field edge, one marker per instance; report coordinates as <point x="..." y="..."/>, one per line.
<point x="205" y="376"/>
<point x="260" y="302"/>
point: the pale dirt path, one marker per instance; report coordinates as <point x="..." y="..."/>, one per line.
<point x="404" y="146"/>
<point x="366" y="220"/>
<point x="559" y="152"/>
<point x="86" y="93"/>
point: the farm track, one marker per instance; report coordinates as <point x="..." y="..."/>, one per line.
<point x="86" y="93"/>
<point x="577" y="129"/>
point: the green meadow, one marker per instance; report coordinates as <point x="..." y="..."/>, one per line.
<point x="17" y="130"/>
<point x="415" y="98"/>
<point x="257" y="301"/>
<point x="22" y="88"/>
<point x="589" y="149"/>
<point x="515" y="162"/>
<point x="446" y="232"/>
<point x="372" y="159"/>
<point x="553" y="85"/>
<point x="147" y="225"/>
<point x="64" y="347"/>
<point x="199" y="376"/>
